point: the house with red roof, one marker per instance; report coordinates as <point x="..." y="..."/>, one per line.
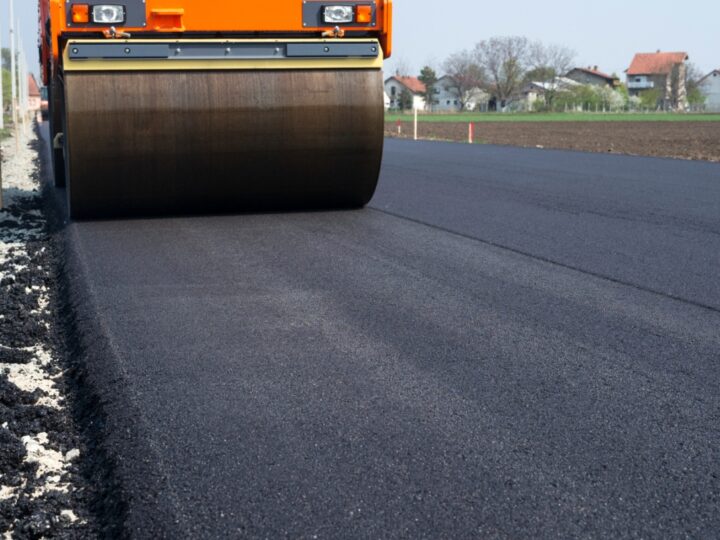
<point x="662" y="72"/>
<point x="446" y="95"/>
<point x="396" y="85"/>
<point x="593" y="76"/>
<point x="34" y="99"/>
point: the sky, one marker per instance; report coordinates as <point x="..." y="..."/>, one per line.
<point x="26" y="13"/>
<point x="605" y="33"/>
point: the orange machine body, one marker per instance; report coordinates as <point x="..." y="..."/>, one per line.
<point x="202" y="18"/>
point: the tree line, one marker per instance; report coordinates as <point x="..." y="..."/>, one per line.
<point x="502" y="66"/>
<point x="5" y="64"/>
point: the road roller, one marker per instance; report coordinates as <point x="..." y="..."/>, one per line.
<point x="168" y="107"/>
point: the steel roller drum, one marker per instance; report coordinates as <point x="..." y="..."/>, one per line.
<point x="178" y="142"/>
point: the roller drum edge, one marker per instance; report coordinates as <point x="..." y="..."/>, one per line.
<point x="158" y="143"/>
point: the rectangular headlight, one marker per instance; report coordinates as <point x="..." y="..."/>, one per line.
<point x="105" y="14"/>
<point x="338" y="14"/>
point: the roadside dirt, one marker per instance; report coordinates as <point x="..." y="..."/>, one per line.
<point x="683" y="140"/>
<point x="43" y="492"/>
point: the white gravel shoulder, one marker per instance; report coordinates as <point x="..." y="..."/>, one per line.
<point x="40" y="374"/>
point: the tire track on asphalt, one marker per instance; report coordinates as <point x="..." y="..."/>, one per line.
<point x="548" y="260"/>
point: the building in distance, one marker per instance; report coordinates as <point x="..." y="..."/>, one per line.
<point x="593" y="76"/>
<point x="662" y="73"/>
<point x="709" y="87"/>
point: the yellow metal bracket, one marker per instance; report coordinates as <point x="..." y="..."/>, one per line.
<point x="190" y="64"/>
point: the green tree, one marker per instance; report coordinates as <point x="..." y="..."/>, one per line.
<point x="693" y="74"/>
<point x="623" y="89"/>
<point x="540" y="74"/>
<point x="6" y="84"/>
<point x="565" y="100"/>
<point x="695" y="96"/>
<point x="429" y="78"/>
<point x="5" y="54"/>
<point x="405" y="100"/>
<point x="6" y="89"/>
<point x="650" y="99"/>
<point x="584" y="96"/>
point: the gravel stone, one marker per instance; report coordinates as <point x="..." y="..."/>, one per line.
<point x="43" y="493"/>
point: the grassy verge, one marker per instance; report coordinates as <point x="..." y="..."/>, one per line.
<point x="555" y="117"/>
<point x="5" y="133"/>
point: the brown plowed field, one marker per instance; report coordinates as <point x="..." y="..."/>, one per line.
<point x="684" y="140"/>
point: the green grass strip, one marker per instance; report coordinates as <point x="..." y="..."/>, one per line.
<point x="556" y="117"/>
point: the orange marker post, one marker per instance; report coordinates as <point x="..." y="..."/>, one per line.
<point x="415" y="126"/>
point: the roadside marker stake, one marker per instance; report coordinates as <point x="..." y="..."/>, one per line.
<point x="415" y="133"/>
<point x="471" y="133"/>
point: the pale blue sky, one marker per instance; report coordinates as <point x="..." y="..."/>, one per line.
<point x="604" y="33"/>
<point x="26" y="12"/>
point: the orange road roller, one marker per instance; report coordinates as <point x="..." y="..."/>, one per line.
<point x="164" y="107"/>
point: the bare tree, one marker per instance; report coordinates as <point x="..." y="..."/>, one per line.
<point x="402" y="67"/>
<point x="465" y="76"/>
<point x="693" y="76"/>
<point x="547" y="63"/>
<point x="504" y="61"/>
<point x="555" y="59"/>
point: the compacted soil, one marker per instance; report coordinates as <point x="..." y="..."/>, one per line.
<point x="684" y="140"/>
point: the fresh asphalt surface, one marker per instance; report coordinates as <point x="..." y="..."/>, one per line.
<point x="507" y="342"/>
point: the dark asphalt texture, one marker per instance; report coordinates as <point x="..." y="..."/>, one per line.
<point x="507" y="343"/>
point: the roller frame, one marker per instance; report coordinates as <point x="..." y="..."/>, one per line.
<point x="181" y="63"/>
<point x="152" y="136"/>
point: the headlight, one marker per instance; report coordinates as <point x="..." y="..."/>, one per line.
<point x="338" y="14"/>
<point x="108" y="14"/>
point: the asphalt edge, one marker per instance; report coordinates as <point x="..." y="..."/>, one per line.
<point x="551" y="149"/>
<point x="131" y="495"/>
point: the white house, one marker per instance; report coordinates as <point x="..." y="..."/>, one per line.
<point x="396" y="84"/>
<point x="710" y="88"/>
<point x="447" y="98"/>
<point x="536" y="90"/>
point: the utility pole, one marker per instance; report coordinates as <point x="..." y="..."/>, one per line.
<point x="13" y="73"/>
<point x="2" y="117"/>
<point x="22" y="83"/>
<point x="2" y="105"/>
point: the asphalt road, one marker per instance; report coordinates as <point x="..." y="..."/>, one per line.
<point x="507" y="343"/>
